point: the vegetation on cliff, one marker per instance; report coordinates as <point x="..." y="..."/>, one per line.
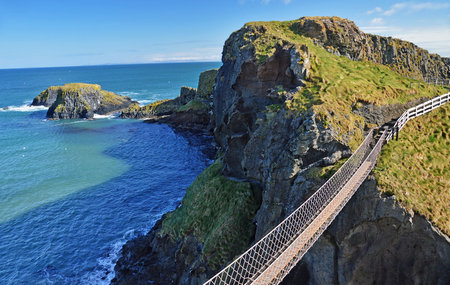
<point x="416" y="168"/>
<point x="218" y="212"/>
<point x="285" y="106"/>
<point x="334" y="84"/>
<point x="80" y="100"/>
<point x="190" y="100"/>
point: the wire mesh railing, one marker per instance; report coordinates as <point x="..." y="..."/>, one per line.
<point x="270" y="259"/>
<point x="256" y="259"/>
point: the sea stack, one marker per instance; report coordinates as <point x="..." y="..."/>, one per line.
<point x="80" y="100"/>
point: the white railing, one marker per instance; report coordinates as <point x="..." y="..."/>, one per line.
<point x="416" y="111"/>
<point x="270" y="259"/>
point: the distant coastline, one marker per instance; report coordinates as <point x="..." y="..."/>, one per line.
<point x="114" y="64"/>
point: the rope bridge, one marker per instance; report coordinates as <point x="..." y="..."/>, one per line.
<point x="270" y="259"/>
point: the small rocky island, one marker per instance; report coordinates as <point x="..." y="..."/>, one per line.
<point x="80" y="100"/>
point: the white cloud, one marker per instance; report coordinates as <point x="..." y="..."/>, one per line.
<point x="433" y="39"/>
<point x="198" y="54"/>
<point x="408" y="7"/>
<point x="395" y="8"/>
<point x="375" y="10"/>
<point x="414" y="7"/>
<point x="380" y="30"/>
<point x="377" y="21"/>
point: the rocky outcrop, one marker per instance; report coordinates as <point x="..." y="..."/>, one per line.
<point x="343" y="37"/>
<point x="190" y="110"/>
<point x="206" y="83"/>
<point x="184" y="246"/>
<point x="47" y="97"/>
<point x="376" y="241"/>
<point x="79" y="100"/>
<point x="274" y="131"/>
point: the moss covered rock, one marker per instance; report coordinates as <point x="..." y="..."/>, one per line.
<point x="80" y="100"/>
<point x="206" y="83"/>
<point x="187" y="111"/>
<point x="215" y="207"/>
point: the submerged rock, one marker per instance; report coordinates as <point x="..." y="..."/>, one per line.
<point x="80" y="100"/>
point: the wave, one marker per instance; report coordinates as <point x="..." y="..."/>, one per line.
<point x="145" y="102"/>
<point x="104" y="272"/>
<point x="23" y="108"/>
<point x="112" y="116"/>
<point x="128" y="93"/>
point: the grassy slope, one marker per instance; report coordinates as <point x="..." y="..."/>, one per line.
<point x="416" y="168"/>
<point x="337" y="84"/>
<point x="218" y="212"/>
<point x="110" y="98"/>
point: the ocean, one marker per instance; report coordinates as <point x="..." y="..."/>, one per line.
<point x="72" y="192"/>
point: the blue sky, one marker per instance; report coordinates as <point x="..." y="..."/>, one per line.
<point x="63" y="33"/>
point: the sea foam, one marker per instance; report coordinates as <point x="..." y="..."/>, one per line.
<point x="23" y="108"/>
<point x="104" y="272"/>
<point x="112" y="116"/>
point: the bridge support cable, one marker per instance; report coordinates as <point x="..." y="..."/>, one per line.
<point x="270" y="259"/>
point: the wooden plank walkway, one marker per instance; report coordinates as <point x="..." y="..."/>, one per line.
<point x="270" y="259"/>
<point x="282" y="261"/>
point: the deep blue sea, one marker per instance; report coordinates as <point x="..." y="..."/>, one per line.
<point x="73" y="191"/>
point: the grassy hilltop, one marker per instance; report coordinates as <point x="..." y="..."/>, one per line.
<point x="336" y="84"/>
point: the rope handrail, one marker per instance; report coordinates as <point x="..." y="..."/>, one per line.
<point x="270" y="259"/>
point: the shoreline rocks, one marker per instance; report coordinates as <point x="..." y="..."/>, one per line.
<point x="192" y="109"/>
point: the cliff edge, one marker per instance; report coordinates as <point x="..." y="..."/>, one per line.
<point x="291" y="102"/>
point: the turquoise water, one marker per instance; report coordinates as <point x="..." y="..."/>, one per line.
<point x="72" y="192"/>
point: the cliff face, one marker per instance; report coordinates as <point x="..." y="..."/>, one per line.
<point x="343" y="37"/>
<point x="286" y="113"/>
<point x="79" y="100"/>
<point x="375" y="241"/>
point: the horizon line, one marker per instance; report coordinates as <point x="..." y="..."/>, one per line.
<point x="112" y="64"/>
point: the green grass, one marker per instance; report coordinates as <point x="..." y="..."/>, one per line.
<point x="326" y="172"/>
<point x="110" y="98"/>
<point x="193" y="105"/>
<point x="336" y="83"/>
<point x="159" y="107"/>
<point x="218" y="212"/>
<point x="74" y="87"/>
<point x="416" y="168"/>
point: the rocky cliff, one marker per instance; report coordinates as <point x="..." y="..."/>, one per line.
<point x="80" y="100"/>
<point x="343" y="37"/>
<point x="288" y="110"/>
<point x="190" y="110"/>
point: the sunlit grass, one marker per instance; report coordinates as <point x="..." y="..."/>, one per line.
<point x="336" y="83"/>
<point x="416" y="168"/>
